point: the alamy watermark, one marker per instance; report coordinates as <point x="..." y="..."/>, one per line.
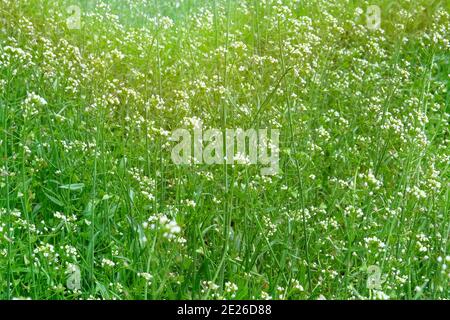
<point x="375" y="278"/>
<point x="74" y="20"/>
<point x="373" y="16"/>
<point x="230" y="146"/>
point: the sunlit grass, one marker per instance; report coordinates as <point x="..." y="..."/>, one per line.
<point x="87" y="182"/>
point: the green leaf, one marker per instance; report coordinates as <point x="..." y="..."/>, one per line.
<point x="54" y="200"/>
<point x="73" y="187"/>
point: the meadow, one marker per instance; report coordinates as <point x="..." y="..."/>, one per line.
<point x="92" y="206"/>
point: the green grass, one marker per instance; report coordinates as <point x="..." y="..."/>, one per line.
<point x="87" y="182"/>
